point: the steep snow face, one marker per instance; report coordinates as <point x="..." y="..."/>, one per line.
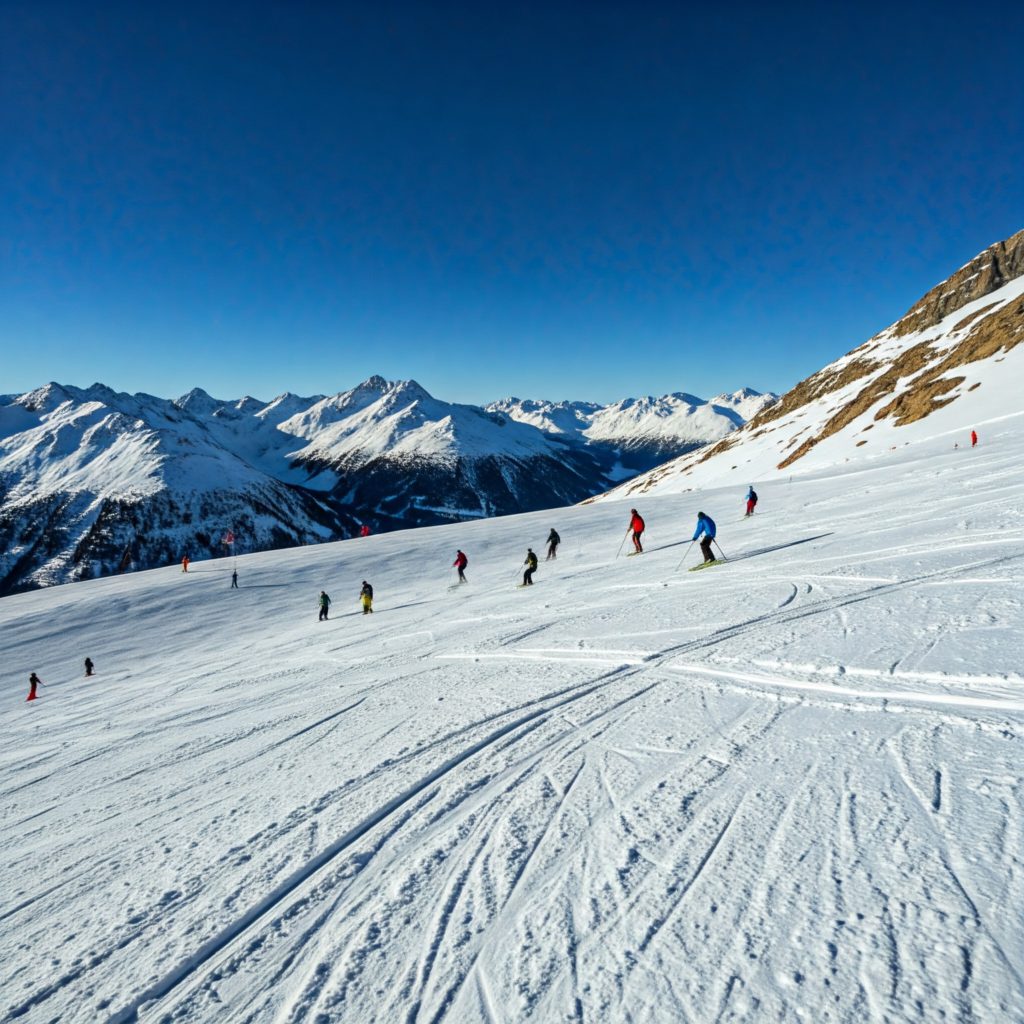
<point x="944" y="369"/>
<point x="787" y="788"/>
<point x="567" y="418"/>
<point x="402" y="419"/>
<point x="678" y="419"/>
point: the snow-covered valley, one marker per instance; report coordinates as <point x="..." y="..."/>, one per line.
<point x="786" y="788"/>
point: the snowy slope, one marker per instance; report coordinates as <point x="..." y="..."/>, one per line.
<point x="787" y="788"/>
<point x="954" y="363"/>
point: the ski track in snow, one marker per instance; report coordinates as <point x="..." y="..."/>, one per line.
<point x="787" y="788"/>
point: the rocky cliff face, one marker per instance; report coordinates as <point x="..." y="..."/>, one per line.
<point x="986" y="273"/>
<point x="950" y="363"/>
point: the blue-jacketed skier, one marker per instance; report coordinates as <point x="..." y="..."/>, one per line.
<point x="705" y="529"/>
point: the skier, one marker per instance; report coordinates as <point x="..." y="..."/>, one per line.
<point x="234" y="579"/>
<point x="184" y="564"/>
<point x="364" y="530"/>
<point x="531" y="567"/>
<point x="636" y="524"/>
<point x="33" y="682"/>
<point x="751" y="500"/>
<point x="325" y="603"/>
<point x="88" y="666"/>
<point x="366" y="597"/>
<point x="705" y="526"/>
<point x="974" y="438"/>
<point x="460" y="563"/>
<point x="553" y="541"/>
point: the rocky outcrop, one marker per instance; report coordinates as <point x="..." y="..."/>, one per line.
<point x="988" y="271"/>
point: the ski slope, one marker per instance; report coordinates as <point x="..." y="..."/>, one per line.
<point x="785" y="789"/>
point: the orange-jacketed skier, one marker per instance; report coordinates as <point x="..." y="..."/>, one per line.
<point x="184" y="563"/>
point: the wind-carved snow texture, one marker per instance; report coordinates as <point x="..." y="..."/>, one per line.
<point x="786" y="788"/>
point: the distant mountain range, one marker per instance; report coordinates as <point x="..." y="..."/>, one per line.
<point x="92" y="480"/>
<point x="952" y="364"/>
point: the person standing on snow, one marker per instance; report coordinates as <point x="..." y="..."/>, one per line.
<point x="366" y="597"/>
<point x="751" y="500"/>
<point x="553" y="541"/>
<point x="705" y="526"/>
<point x="88" y="666"/>
<point x="460" y="563"/>
<point x="364" y="530"/>
<point x="636" y="524"/>
<point x="234" y="579"/>
<point x="531" y="567"/>
<point x="184" y="563"/>
<point x="325" y="603"/>
<point x="974" y="438"/>
<point x="33" y="682"/>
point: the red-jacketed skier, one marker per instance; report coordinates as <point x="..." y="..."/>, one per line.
<point x="460" y="563"/>
<point x="636" y="524"/>
<point x="974" y="438"/>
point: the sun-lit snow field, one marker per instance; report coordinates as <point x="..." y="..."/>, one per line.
<point x="788" y="788"/>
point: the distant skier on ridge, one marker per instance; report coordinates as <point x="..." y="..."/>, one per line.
<point x="33" y="682"/>
<point x="751" y="500"/>
<point x="184" y="563"/>
<point x="705" y="527"/>
<point x="553" y="541"/>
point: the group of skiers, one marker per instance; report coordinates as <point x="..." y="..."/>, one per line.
<point x="34" y="682"/>
<point x="705" y="532"/>
<point x="365" y="599"/>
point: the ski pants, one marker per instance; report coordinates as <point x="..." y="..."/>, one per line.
<point x="750" y="507"/>
<point x="367" y="604"/>
<point x="705" y="546"/>
<point x="323" y="613"/>
<point x="462" y="575"/>
<point x="636" y="540"/>
<point x="552" y="549"/>
<point x="528" y="577"/>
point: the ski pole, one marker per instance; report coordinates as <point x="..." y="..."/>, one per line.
<point x="683" y="559"/>
<point x="619" y="552"/>
<point x="720" y="551"/>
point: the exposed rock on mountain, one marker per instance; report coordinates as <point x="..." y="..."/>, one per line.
<point x="948" y="365"/>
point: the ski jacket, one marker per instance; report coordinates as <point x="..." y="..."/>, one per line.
<point x="367" y="591"/>
<point x="553" y="538"/>
<point x="461" y="561"/>
<point x="706" y="525"/>
<point x="531" y="560"/>
<point x="752" y="495"/>
<point x="324" y="601"/>
<point x="636" y="524"/>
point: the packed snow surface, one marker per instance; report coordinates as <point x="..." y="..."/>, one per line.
<point x="784" y="788"/>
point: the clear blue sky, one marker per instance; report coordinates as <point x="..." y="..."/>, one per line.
<point x="561" y="200"/>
